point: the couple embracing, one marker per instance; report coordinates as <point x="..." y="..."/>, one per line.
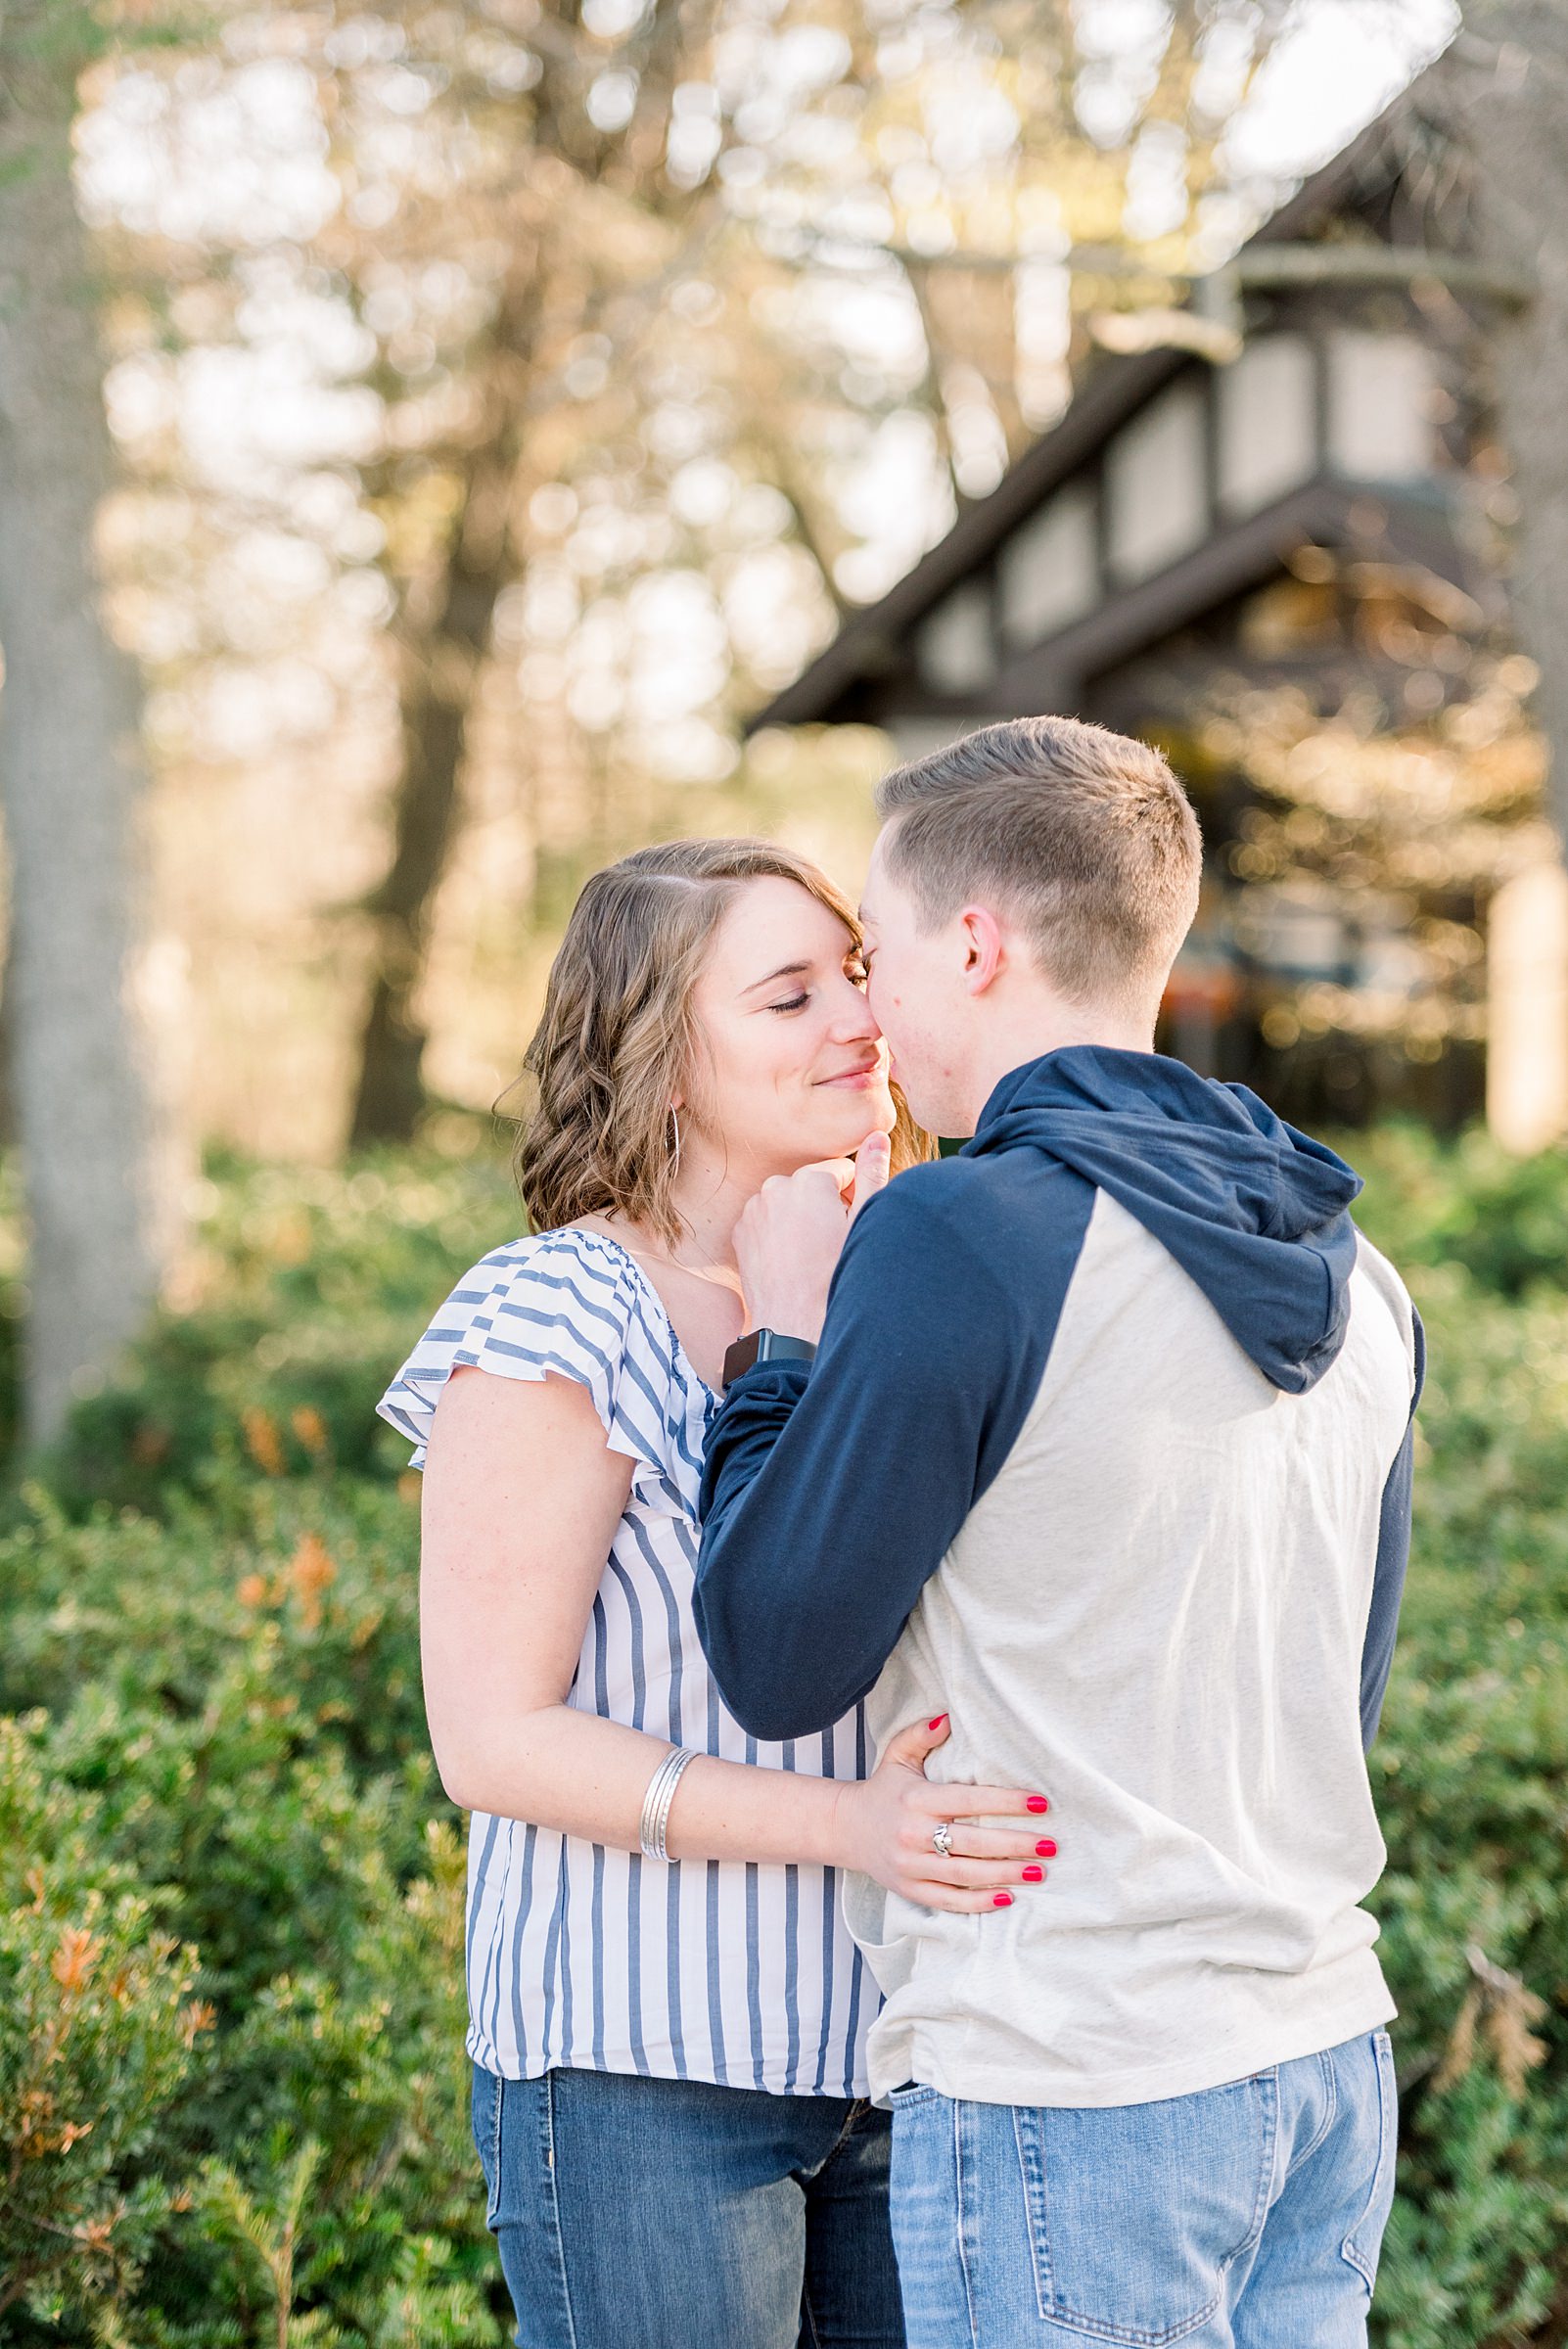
<point x="909" y="1645"/>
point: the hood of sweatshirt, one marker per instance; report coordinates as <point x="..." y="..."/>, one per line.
<point x="1257" y="1214"/>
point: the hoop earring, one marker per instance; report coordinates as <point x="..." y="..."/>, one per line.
<point x="675" y="1122"/>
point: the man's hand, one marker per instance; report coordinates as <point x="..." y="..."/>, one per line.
<point x="788" y="1239"/>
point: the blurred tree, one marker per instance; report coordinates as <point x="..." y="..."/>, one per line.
<point x="1501" y="95"/>
<point x="443" y="640"/>
<point x="97" y="1207"/>
<point x="748" y="252"/>
<point x="556" y="145"/>
<point x="1384" y="828"/>
<point x="512" y="397"/>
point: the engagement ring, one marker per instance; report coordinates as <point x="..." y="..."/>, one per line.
<point x="941" y="1837"/>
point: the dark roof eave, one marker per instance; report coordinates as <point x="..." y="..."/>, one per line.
<point x="1325" y="512"/>
<point x="1113" y="390"/>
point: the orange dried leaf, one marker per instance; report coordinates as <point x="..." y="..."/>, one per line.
<point x="73" y="1960"/>
<point x="35" y="2110"/>
<point x="311" y="1571"/>
<point x="261" y="1440"/>
<point x="311" y="1428"/>
<point x="196" y="2018"/>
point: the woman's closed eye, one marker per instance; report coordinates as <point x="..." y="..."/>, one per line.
<point x="854" y="969"/>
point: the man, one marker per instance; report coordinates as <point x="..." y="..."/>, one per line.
<point x="1105" y="1451"/>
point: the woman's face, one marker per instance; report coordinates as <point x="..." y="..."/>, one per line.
<point x="796" y="1068"/>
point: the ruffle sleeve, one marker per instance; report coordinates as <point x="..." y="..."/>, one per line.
<point x="570" y="1303"/>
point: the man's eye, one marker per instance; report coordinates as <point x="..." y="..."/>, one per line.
<point x="857" y="970"/>
<point x="793" y="1003"/>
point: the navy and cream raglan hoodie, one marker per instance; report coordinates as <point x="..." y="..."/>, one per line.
<point x="1106" y="1452"/>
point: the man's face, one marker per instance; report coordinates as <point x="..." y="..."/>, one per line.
<point x="916" y="992"/>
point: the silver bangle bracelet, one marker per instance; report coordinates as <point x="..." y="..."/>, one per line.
<point x="658" y="1799"/>
<point x="650" y="1803"/>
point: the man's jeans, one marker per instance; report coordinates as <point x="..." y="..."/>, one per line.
<point x="670" y="2214"/>
<point x="1248" y="2217"/>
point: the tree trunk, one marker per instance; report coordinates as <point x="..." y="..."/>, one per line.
<point x="1501" y="93"/>
<point x="441" y="674"/>
<point x="69" y="762"/>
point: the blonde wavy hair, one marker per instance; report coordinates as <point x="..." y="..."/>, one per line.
<point x="619" y="1039"/>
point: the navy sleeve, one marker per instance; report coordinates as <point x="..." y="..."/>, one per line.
<point x="832" y="1492"/>
<point x="1393" y="1556"/>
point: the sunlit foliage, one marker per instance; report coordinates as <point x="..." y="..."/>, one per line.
<point x="662" y="332"/>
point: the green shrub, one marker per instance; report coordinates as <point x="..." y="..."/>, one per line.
<point x="96" y="2032"/>
<point x="1466" y="1206"/>
<point x="1471" y="1777"/>
<point x="238" y="1706"/>
<point x="310" y="1287"/>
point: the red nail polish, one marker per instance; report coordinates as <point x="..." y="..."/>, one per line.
<point x="1033" y="1875"/>
<point x="1038" y="1802"/>
<point x="937" y="1723"/>
<point x="1047" y="1849"/>
<point x="1001" y="1899"/>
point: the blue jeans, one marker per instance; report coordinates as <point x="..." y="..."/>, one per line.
<point x="671" y="2214"/>
<point x="1249" y="2217"/>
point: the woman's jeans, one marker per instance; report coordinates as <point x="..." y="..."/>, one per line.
<point x="1248" y="2217"/>
<point x="670" y="2214"/>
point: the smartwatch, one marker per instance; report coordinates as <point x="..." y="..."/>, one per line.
<point x="764" y="1346"/>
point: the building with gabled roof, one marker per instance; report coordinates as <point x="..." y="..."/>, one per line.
<point x="1301" y="496"/>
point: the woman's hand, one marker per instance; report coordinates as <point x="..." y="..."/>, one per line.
<point x="884" y="1826"/>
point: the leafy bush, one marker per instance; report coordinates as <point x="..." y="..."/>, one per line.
<point x="222" y="1773"/>
<point x="96" y="2031"/>
<point x="1471" y="1777"/>
<point x="1466" y="1206"/>
<point x="307" y="1288"/>
<point x="237" y="1714"/>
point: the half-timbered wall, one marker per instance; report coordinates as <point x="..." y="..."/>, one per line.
<point x="1215" y="448"/>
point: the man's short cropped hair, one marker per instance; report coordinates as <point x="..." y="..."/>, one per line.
<point x="1085" y="838"/>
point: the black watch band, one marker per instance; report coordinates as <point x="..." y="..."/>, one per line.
<point x="764" y="1346"/>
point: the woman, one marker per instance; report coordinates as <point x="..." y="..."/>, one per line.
<point x="667" y="2014"/>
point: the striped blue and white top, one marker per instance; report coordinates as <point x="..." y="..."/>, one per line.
<point x="578" y="1954"/>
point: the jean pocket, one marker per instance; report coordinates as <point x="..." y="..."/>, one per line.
<point x="1136" y="2211"/>
<point x="488" y="2109"/>
<point x="1364" y="2240"/>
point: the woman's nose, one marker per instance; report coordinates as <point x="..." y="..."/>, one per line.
<point x="853" y="1021"/>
